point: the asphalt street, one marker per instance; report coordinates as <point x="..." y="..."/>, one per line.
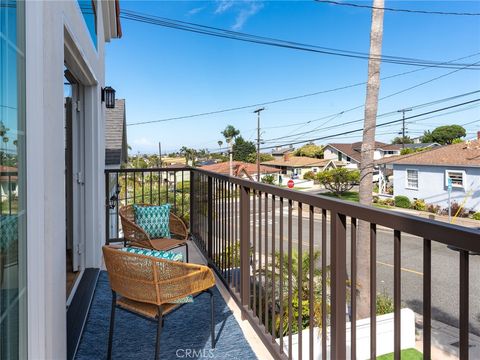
<point x="445" y="267"/>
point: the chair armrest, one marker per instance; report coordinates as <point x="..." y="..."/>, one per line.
<point x="177" y="280"/>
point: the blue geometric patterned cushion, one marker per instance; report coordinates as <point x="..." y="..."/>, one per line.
<point x="166" y="255"/>
<point x="155" y="220"/>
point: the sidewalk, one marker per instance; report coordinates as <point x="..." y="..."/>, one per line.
<point x="458" y="221"/>
<point x="445" y="340"/>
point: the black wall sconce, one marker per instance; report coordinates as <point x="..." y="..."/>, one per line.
<point x="114" y="197"/>
<point x="108" y="97"/>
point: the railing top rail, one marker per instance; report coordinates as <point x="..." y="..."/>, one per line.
<point x="449" y="234"/>
<point x="138" y="170"/>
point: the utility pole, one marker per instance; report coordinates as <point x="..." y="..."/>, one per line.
<point x="258" y="111"/>
<point x="159" y="154"/>
<point x="403" y="111"/>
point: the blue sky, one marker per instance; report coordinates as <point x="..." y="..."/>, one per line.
<point x="165" y="73"/>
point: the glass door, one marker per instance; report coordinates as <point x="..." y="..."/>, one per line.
<point x="74" y="181"/>
<point x="13" y="290"/>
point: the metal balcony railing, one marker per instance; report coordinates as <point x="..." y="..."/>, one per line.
<point x="289" y="258"/>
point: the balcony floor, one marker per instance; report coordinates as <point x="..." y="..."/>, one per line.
<point x="187" y="329"/>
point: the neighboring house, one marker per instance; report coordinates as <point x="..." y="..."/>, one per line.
<point x="279" y="152"/>
<point x="426" y="174"/>
<point x="8" y="182"/>
<point x="52" y="56"/>
<point x="242" y="169"/>
<point x="296" y="166"/>
<point x="116" y="147"/>
<point x="116" y="150"/>
<point x="350" y="153"/>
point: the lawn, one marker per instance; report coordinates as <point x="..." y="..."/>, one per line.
<point x="407" y="354"/>
<point x="349" y="196"/>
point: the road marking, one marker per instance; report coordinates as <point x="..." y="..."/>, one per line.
<point x="403" y="269"/>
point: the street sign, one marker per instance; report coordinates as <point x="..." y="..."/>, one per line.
<point x="290" y="184"/>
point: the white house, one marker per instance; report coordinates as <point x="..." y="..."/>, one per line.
<point x="52" y="71"/>
<point x="426" y="174"/>
<point x="296" y="167"/>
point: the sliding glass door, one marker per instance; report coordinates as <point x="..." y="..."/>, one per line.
<point x="13" y="317"/>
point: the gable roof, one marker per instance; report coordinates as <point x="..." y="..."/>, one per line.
<point x="224" y="167"/>
<point x="296" y="161"/>
<point x="462" y="154"/>
<point x="116" y="151"/>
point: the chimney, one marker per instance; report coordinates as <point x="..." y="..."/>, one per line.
<point x="287" y="156"/>
<point x="478" y="135"/>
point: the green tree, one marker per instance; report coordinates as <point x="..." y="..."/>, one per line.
<point x="339" y="180"/>
<point x="310" y="150"/>
<point x="402" y="140"/>
<point x="242" y="149"/>
<point x="268" y="179"/>
<point x="252" y="158"/>
<point x="444" y="134"/>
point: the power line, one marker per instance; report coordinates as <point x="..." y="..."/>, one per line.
<point x="384" y="114"/>
<point x="345" y="87"/>
<point x="234" y="35"/>
<point x="377" y="126"/>
<point x="398" y="10"/>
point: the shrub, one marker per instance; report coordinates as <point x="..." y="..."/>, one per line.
<point x="434" y="209"/>
<point x="419" y="204"/>
<point x="456" y="210"/>
<point x="387" y="202"/>
<point x="402" y="202"/>
<point x="268" y="179"/>
<point x="309" y="175"/>
<point x="384" y="304"/>
<point x="476" y="216"/>
<point x="376" y="199"/>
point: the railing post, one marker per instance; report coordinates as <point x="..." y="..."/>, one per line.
<point x="192" y="201"/>
<point x="210" y="218"/>
<point x="244" y="247"/>
<point x="107" y="209"/>
<point x="338" y="258"/>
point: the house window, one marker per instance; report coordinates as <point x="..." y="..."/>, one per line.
<point x="348" y="159"/>
<point x="457" y="177"/>
<point x="339" y="157"/>
<point x="315" y="170"/>
<point x="412" y="179"/>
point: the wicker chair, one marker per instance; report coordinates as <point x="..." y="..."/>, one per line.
<point x="135" y="236"/>
<point x="147" y="286"/>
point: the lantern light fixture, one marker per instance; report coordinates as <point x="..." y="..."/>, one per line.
<point x="108" y="97"/>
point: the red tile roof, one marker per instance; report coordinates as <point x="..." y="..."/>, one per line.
<point x="224" y="168"/>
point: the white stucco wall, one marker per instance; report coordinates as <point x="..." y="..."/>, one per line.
<point x="432" y="188"/>
<point x="51" y="26"/>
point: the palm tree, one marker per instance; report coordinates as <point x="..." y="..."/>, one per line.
<point x="367" y="151"/>
<point x="220" y="143"/>
<point x="230" y="133"/>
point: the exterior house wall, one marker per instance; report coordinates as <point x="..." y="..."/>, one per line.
<point x="56" y="31"/>
<point x="330" y="153"/>
<point x="432" y="185"/>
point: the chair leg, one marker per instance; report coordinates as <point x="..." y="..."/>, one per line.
<point x="212" y="317"/>
<point x="112" y="324"/>
<point x="186" y="251"/>
<point x="159" y="333"/>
